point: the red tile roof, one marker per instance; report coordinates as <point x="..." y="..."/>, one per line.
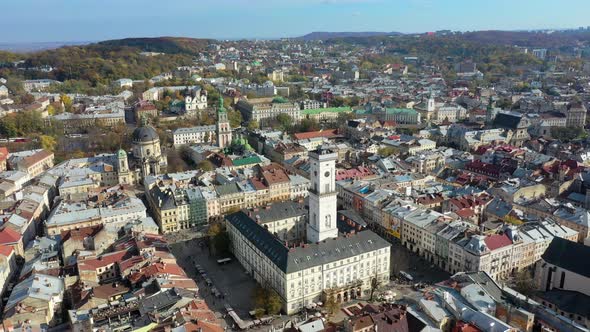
<point x="81" y="233"/>
<point x="3" y="153"/>
<point x="470" y="201"/>
<point x="465" y="213"/>
<point x="6" y="250"/>
<point x="107" y="291"/>
<point x="197" y="311"/>
<point x="129" y="263"/>
<point x="9" y="236"/>
<point x="257" y="184"/>
<point x="388" y="124"/>
<point x="163" y="268"/>
<point x="103" y="260"/>
<point x="497" y="241"/>
<point x="35" y="158"/>
<point x="355" y="173"/>
<point x="144" y="105"/>
<point x="328" y="133"/>
<point x="273" y="174"/>
<point x="430" y="199"/>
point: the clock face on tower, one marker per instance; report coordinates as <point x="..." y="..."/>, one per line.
<point x="327" y="174"/>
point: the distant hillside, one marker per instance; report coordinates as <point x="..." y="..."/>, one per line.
<point x="96" y="65"/>
<point x="321" y="35"/>
<point x="170" y="45"/>
<point x="553" y="40"/>
<point x="528" y="38"/>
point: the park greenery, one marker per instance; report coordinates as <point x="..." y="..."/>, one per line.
<point x="567" y="134"/>
<point x="266" y="301"/>
<point x="218" y="239"/>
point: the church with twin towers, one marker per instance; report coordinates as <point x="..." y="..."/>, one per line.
<point x="297" y="249"/>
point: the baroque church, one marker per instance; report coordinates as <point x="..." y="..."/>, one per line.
<point x="145" y="158"/>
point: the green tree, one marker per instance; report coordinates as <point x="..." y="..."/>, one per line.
<point x="8" y="127"/>
<point x="568" y="133"/>
<point x="218" y="239"/>
<point x="266" y="300"/>
<point x="285" y="121"/>
<point x="235" y="118"/>
<point x="253" y="125"/>
<point x="374" y="285"/>
<point x="259" y="296"/>
<point x="78" y="154"/>
<point x="309" y="125"/>
<point x="175" y="161"/>
<point x="524" y="283"/>
<point x="331" y="305"/>
<point x="343" y="118"/>
<point x="27" y="99"/>
<point x="205" y="165"/>
<point x="273" y="302"/>
<point x="386" y="151"/>
<point x="185" y="153"/>
<point x="50" y="110"/>
<point x="337" y="102"/>
<point x="47" y="142"/>
<point x="67" y="101"/>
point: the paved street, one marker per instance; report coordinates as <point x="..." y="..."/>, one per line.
<point x="230" y="279"/>
<point x="190" y="248"/>
<point x="421" y="270"/>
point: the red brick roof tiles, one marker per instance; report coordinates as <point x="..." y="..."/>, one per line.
<point x="497" y="241"/>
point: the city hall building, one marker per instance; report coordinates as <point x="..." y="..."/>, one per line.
<point x="327" y="264"/>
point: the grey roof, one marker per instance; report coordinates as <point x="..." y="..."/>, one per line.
<point x="38" y="286"/>
<point x="158" y="302"/>
<point x="310" y="255"/>
<point x="227" y="189"/>
<point x="561" y="253"/>
<point x="354" y="216"/>
<point x="507" y="120"/>
<point x="164" y="198"/>
<point x="568" y="301"/>
<point x="278" y="211"/>
<point x="144" y="134"/>
<point x="199" y="129"/>
<point x="164" y="300"/>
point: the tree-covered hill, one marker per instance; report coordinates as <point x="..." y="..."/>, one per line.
<point x="170" y="45"/>
<point x="104" y="62"/>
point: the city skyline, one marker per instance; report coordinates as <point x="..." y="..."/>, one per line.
<point x="41" y="21"/>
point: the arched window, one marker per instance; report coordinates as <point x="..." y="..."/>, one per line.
<point x="315" y="220"/>
<point x="328" y="221"/>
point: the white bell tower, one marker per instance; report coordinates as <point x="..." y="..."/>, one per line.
<point x="322" y="196"/>
<point x="431" y="103"/>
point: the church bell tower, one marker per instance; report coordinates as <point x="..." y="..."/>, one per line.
<point x="224" y="134"/>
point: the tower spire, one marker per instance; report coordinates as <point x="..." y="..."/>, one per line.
<point x="223" y="129"/>
<point x="220" y="108"/>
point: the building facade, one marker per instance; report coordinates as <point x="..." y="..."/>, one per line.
<point x="326" y="266"/>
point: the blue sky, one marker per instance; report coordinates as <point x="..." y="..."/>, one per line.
<point x="91" y="20"/>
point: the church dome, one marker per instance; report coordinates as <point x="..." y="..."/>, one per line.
<point x="145" y="134"/>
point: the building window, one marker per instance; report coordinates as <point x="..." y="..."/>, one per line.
<point x="562" y="282"/>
